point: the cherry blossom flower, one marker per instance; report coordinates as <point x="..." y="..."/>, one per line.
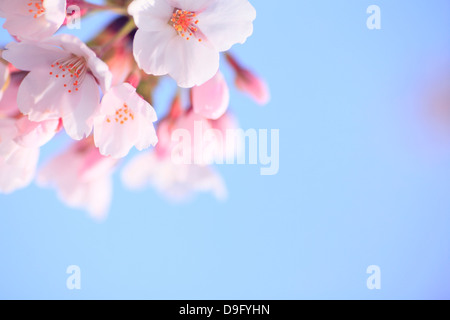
<point x="27" y="133"/>
<point x="183" y="38"/>
<point x="62" y="83"/>
<point x="125" y="120"/>
<point x="212" y="98"/>
<point x="175" y="182"/>
<point x="17" y="164"/>
<point x="33" y="19"/>
<point x="82" y="177"/>
<point x="20" y="140"/>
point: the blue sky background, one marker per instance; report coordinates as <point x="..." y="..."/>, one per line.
<point x="364" y="178"/>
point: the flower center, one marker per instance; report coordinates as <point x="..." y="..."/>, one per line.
<point x="185" y="24"/>
<point x="122" y="115"/>
<point x="36" y="8"/>
<point x="71" y="71"/>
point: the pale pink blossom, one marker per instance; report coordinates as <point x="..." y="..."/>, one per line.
<point x="32" y="134"/>
<point x="176" y="182"/>
<point x="211" y="99"/>
<point x="17" y="164"/>
<point x="183" y="38"/>
<point x="63" y="81"/>
<point x="20" y="140"/>
<point x="125" y="120"/>
<point x="32" y="19"/>
<point x="83" y="178"/>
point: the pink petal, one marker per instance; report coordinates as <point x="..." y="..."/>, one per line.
<point x="211" y="99"/>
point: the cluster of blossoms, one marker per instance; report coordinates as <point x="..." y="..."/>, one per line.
<point x="99" y="94"/>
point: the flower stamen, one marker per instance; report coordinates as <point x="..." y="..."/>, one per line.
<point x="36" y="8"/>
<point x="72" y="69"/>
<point x="185" y="24"/>
<point x="122" y="115"/>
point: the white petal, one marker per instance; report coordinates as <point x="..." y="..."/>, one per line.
<point x="150" y="15"/>
<point x="41" y="96"/>
<point x="78" y="124"/>
<point x="27" y="55"/>
<point x="192" y="5"/>
<point x="226" y="23"/>
<point x="35" y="134"/>
<point x="191" y="62"/>
<point x="147" y="135"/>
<point x="149" y="49"/>
<point x="55" y="11"/>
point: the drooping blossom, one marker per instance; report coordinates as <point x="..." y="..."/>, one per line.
<point x="248" y="82"/>
<point x="212" y="98"/>
<point x="17" y="164"/>
<point x="183" y="38"/>
<point x="175" y="182"/>
<point x="82" y="177"/>
<point x="125" y="120"/>
<point x="19" y="150"/>
<point x="20" y="140"/>
<point x="63" y="81"/>
<point x="32" y="19"/>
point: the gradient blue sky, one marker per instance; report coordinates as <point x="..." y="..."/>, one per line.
<point x="364" y="179"/>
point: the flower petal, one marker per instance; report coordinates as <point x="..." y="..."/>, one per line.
<point x="191" y="63"/>
<point x="226" y="23"/>
<point x="211" y="99"/>
<point x="41" y="97"/>
<point x="27" y="55"/>
<point x="35" y="134"/>
<point x="78" y="123"/>
<point x="149" y="50"/>
<point x="150" y="15"/>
